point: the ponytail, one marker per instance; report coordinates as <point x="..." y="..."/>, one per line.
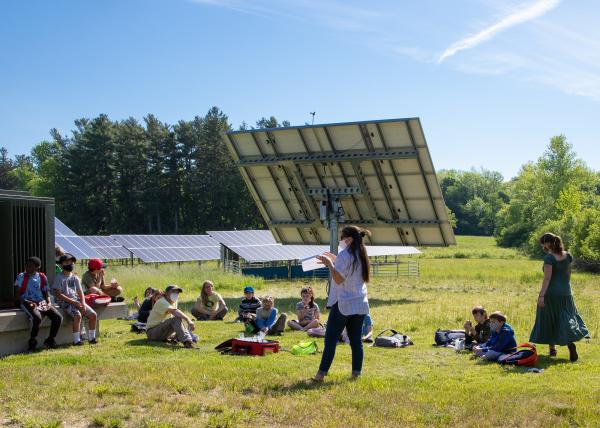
<point x="357" y="246"/>
<point x="555" y="241"/>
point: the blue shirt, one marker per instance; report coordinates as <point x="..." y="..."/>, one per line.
<point x="351" y="294"/>
<point x="502" y="341"/>
<point x="33" y="292"/>
<point x="265" y="319"/>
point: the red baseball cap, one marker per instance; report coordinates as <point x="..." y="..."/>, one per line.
<point x="95" y="264"/>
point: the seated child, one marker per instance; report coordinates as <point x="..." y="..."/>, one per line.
<point x="94" y="283"/>
<point x="248" y="306"/>
<point x="146" y="306"/>
<point x="266" y="318"/>
<point x="501" y="341"/>
<point x="69" y="294"/>
<point x="32" y="289"/>
<point x="367" y="331"/>
<point x="481" y="332"/>
<point x="209" y="305"/>
<point x="307" y="311"/>
<point x="166" y="320"/>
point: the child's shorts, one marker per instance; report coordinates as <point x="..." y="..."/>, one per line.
<point x="72" y="311"/>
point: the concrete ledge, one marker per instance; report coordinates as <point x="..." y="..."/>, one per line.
<point x="15" y="327"/>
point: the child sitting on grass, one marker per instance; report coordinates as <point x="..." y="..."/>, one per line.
<point x="266" y="318"/>
<point x="307" y="311"/>
<point x="248" y="306"/>
<point x="69" y="295"/>
<point x="209" y="305"/>
<point x="479" y="334"/>
<point x="501" y="341"/>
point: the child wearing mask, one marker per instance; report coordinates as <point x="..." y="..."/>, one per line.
<point x="501" y="341"/>
<point x="165" y="319"/>
<point x="69" y="295"/>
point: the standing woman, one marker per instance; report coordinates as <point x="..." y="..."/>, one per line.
<point x="557" y="321"/>
<point x="347" y="298"/>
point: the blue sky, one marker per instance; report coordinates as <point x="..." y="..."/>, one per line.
<point x="491" y="80"/>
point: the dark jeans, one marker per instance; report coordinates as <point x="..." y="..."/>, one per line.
<point x="36" y="317"/>
<point x="335" y="325"/>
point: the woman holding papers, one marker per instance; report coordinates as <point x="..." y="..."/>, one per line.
<point x="347" y="298"/>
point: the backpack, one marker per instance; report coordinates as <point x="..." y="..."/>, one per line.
<point x="43" y="282"/>
<point x="316" y="332"/>
<point x="305" y="348"/>
<point x="396" y="340"/>
<point x="446" y="337"/>
<point x="525" y="355"/>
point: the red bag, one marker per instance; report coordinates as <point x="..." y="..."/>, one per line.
<point x="97" y="300"/>
<point x="524" y="355"/>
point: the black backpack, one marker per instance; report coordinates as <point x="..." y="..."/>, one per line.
<point x="447" y="337"/>
<point x="396" y="340"/>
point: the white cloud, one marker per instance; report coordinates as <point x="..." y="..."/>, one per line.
<point x="518" y="16"/>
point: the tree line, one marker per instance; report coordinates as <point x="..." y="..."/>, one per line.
<point x="152" y="177"/>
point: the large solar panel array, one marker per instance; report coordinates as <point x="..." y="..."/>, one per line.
<point x="171" y="248"/>
<point x="381" y="171"/>
<point x="72" y="243"/>
<point x="260" y="246"/>
<point x="107" y="247"/>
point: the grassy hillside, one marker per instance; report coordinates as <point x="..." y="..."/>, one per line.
<point x="125" y="381"/>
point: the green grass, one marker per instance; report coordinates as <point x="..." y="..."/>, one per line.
<point x="124" y="381"/>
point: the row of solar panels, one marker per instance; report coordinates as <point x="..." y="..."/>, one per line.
<point x="251" y="245"/>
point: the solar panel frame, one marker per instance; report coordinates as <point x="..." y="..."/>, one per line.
<point x="386" y="162"/>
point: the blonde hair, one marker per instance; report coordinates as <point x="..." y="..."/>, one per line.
<point x="268" y="299"/>
<point x="204" y="294"/>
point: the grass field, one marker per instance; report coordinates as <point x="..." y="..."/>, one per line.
<point x="125" y="381"/>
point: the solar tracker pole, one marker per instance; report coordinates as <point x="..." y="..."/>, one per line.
<point x="334" y="213"/>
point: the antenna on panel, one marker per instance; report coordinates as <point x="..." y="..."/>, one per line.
<point x="312" y="113"/>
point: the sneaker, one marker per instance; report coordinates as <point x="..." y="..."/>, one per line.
<point x="572" y="352"/>
<point x="93" y="341"/>
<point x="50" y="343"/>
<point x="32" y="344"/>
<point x="78" y="343"/>
<point x="188" y="345"/>
<point x="117" y="299"/>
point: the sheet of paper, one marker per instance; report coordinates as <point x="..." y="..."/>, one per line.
<point x="311" y="263"/>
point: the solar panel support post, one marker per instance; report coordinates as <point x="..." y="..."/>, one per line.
<point x="335" y="217"/>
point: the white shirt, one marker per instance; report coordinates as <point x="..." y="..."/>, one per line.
<point x="351" y="294"/>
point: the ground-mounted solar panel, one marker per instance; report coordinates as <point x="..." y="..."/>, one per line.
<point x="266" y="249"/>
<point x="170" y="248"/>
<point x="72" y="243"/>
<point x="107" y="247"/>
<point x="378" y="173"/>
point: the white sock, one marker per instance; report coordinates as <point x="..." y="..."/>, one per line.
<point x="76" y="337"/>
<point x="91" y="334"/>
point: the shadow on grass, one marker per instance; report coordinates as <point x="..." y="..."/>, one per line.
<point x="544" y="362"/>
<point x="154" y="344"/>
<point x="299" y="386"/>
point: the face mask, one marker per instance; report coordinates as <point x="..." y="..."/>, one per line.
<point x="69" y="268"/>
<point x="494" y="326"/>
<point x="342" y="245"/>
<point x="174" y="296"/>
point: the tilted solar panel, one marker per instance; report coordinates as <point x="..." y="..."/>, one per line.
<point x="108" y="248"/>
<point x="72" y="243"/>
<point x="171" y="248"/>
<point x="380" y="171"/>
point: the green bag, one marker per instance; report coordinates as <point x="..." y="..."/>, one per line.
<point x="305" y="348"/>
